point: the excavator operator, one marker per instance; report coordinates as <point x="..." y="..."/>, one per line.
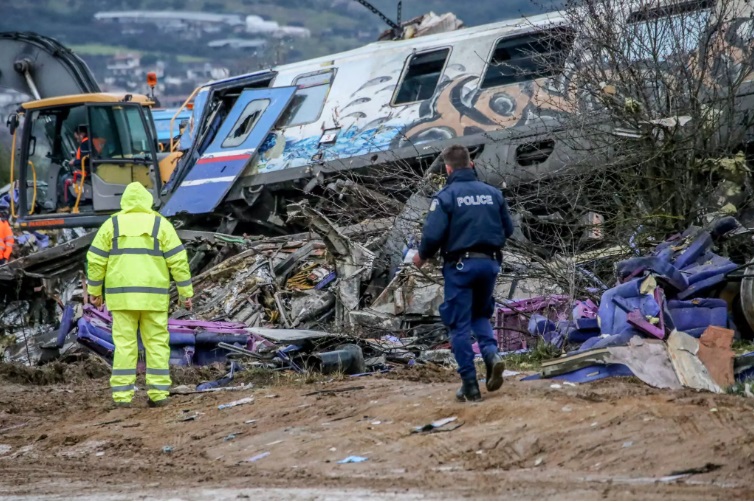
<point x="85" y="146"/>
<point x="81" y="134"/>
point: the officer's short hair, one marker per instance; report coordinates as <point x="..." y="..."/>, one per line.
<point x="82" y="129"/>
<point x="457" y="157"/>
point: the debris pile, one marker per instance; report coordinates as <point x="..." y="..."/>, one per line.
<point x="667" y="320"/>
<point x="346" y="299"/>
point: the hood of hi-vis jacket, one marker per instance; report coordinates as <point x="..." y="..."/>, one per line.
<point x="134" y="254"/>
<point x="136" y="198"/>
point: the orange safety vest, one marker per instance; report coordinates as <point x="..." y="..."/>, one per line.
<point x="7" y="240"/>
<point x="78" y="152"/>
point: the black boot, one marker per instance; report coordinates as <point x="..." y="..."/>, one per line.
<point x="495" y="368"/>
<point x="469" y="391"/>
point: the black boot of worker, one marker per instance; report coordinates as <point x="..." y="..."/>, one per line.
<point x="495" y="368"/>
<point x="469" y="391"/>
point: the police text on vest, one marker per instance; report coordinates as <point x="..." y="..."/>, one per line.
<point x="474" y="200"/>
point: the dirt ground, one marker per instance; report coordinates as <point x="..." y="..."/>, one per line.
<point x="613" y="439"/>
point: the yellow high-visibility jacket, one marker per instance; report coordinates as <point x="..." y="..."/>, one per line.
<point x="132" y="254"/>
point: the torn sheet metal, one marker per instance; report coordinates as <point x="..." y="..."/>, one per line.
<point x="648" y="360"/>
<point x="716" y="354"/>
<point x="684" y="350"/>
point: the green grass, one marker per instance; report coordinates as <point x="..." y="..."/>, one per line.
<point x="111" y="50"/>
<point x="532" y="360"/>
<point x="190" y="59"/>
<point x="100" y="49"/>
<point x="743" y="346"/>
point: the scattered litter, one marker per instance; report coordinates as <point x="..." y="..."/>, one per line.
<point x="250" y="422"/>
<point x="538" y="462"/>
<point x="628" y="444"/>
<point x="333" y="449"/>
<point x="570" y="384"/>
<point x="556" y="386"/>
<point x="257" y="457"/>
<point x="438" y="426"/>
<point x="233" y="404"/>
<point x="167" y="449"/>
<point x="272" y="396"/>
<point x="5" y="448"/>
<point x="353" y="459"/>
<point x="99" y="453"/>
<point x="275" y="442"/>
<point x="708" y="467"/>
<point x="566" y="409"/>
<point x="594" y="424"/>
<point x="376" y="422"/>
<point x="713" y="410"/>
<point x="230" y="437"/>
<point x="186" y="389"/>
<point x="188" y="416"/>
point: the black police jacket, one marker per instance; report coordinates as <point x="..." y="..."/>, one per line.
<point x="466" y="215"/>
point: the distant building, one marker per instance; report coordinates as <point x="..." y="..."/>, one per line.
<point x="123" y="64"/>
<point x="257" y="25"/>
<point x="168" y="17"/>
<point x="237" y="43"/>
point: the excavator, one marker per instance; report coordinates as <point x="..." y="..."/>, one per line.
<point x="48" y="191"/>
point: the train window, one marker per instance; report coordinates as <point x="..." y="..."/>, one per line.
<point x="245" y="123"/>
<point x="527" y="57"/>
<point x="309" y="99"/>
<point x="658" y="33"/>
<point x="421" y="76"/>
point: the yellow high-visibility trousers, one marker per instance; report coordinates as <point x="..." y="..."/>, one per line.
<point x="156" y="340"/>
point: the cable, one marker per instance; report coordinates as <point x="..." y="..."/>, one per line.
<point x="80" y="187"/>
<point x="34" y="195"/>
<point x="382" y="16"/>
<point x="12" y="171"/>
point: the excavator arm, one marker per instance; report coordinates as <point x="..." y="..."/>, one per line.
<point x="41" y="67"/>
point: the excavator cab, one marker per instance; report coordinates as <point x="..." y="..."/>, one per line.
<point x="54" y="190"/>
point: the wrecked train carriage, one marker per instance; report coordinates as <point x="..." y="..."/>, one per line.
<point x="262" y="138"/>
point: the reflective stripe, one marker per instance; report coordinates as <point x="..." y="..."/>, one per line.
<point x="98" y="252"/>
<point x="122" y="388"/>
<point x="94" y="283"/>
<point x="158" y="387"/>
<point x="137" y="289"/>
<point x="183" y="284"/>
<point x="156" y="227"/>
<point x="150" y="252"/>
<point x="156" y="371"/>
<point x="116" y="232"/>
<point x="174" y="251"/>
<point x="123" y="372"/>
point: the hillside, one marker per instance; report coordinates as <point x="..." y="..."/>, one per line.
<point x="335" y="25"/>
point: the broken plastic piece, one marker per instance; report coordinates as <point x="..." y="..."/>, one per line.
<point x="233" y="404"/>
<point x="353" y="459"/>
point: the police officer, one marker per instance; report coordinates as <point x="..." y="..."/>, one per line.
<point x="468" y="221"/>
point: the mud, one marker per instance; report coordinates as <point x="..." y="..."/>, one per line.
<point x="614" y="439"/>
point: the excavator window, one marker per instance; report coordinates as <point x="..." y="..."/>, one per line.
<point x="118" y="132"/>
